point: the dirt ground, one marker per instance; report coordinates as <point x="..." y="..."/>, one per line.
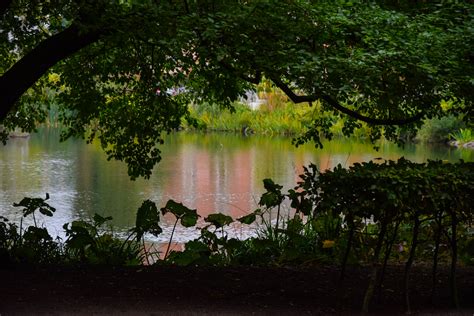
<point x="168" y="290"/>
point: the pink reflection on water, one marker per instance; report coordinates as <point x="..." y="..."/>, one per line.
<point x="213" y="183"/>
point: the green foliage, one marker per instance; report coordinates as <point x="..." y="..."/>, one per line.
<point x="248" y="219"/>
<point x="464" y="135"/>
<point x="147" y="220"/>
<point x="219" y="220"/>
<point x="370" y="213"/>
<point x="373" y="212"/>
<point x="273" y="197"/>
<point x="87" y="244"/>
<point x="33" y="245"/>
<point x="209" y="248"/>
<point x="288" y="119"/>
<point x="31" y="205"/>
<point x="186" y="216"/>
<point x="372" y="61"/>
<point x="439" y="129"/>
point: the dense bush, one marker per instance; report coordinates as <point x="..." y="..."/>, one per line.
<point x="372" y="213"/>
<point x="417" y="206"/>
<point x="437" y="130"/>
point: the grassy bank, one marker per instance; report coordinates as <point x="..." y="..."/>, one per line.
<point x="285" y="118"/>
<point x="277" y="116"/>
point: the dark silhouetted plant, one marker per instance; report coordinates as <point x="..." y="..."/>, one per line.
<point x="86" y="243"/>
<point x="186" y="216"/>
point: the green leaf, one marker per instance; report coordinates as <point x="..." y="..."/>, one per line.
<point x="30" y="205"/>
<point x="271" y="186"/>
<point x="147" y="220"/>
<point x="270" y="199"/>
<point x="273" y="196"/>
<point x="248" y="219"/>
<point x="46" y="211"/>
<point x="219" y="220"/>
<point x="175" y="208"/>
<point x="99" y="220"/>
<point x="187" y="216"/>
<point x="195" y="251"/>
<point x="189" y="219"/>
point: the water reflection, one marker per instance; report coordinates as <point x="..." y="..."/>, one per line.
<point x="209" y="172"/>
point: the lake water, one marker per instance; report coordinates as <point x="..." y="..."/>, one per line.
<point x="209" y="172"/>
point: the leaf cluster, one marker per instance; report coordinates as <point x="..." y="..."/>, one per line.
<point x="378" y="61"/>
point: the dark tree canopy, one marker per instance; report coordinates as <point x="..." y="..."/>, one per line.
<point x="387" y="63"/>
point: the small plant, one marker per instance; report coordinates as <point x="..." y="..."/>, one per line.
<point x="209" y="248"/>
<point x="33" y="245"/>
<point x="464" y="135"/>
<point x="272" y="198"/>
<point x="86" y="243"/>
<point x="186" y="216"/>
<point x="371" y="213"/>
<point x="147" y="221"/>
<point x="31" y="205"/>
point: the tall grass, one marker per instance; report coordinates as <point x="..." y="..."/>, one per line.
<point x="267" y="120"/>
<point x="271" y="118"/>
<point x="464" y="135"/>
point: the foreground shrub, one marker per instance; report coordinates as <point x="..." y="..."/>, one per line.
<point x="372" y="213"/>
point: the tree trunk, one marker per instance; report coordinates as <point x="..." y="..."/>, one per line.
<point x="36" y="63"/>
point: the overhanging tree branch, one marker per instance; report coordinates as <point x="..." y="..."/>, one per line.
<point x="336" y="105"/>
<point x="33" y="65"/>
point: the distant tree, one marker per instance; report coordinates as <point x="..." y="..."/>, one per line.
<point x="387" y="63"/>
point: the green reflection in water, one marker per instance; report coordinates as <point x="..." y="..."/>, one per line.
<point x="210" y="172"/>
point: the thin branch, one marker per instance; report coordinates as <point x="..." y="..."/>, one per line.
<point x="332" y="102"/>
<point x="336" y="105"/>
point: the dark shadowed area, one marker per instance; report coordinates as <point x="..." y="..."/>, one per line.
<point x="172" y="290"/>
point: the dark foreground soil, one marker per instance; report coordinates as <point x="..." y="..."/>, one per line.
<point x="167" y="290"/>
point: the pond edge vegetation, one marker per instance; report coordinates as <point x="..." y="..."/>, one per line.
<point x="373" y="214"/>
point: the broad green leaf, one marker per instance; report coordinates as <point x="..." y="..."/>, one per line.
<point x="147" y="220"/>
<point x="99" y="220"/>
<point x="219" y="220"/>
<point x="247" y="219"/>
<point x="175" y="208"/>
<point x="30" y="205"/>
<point x="189" y="219"/>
